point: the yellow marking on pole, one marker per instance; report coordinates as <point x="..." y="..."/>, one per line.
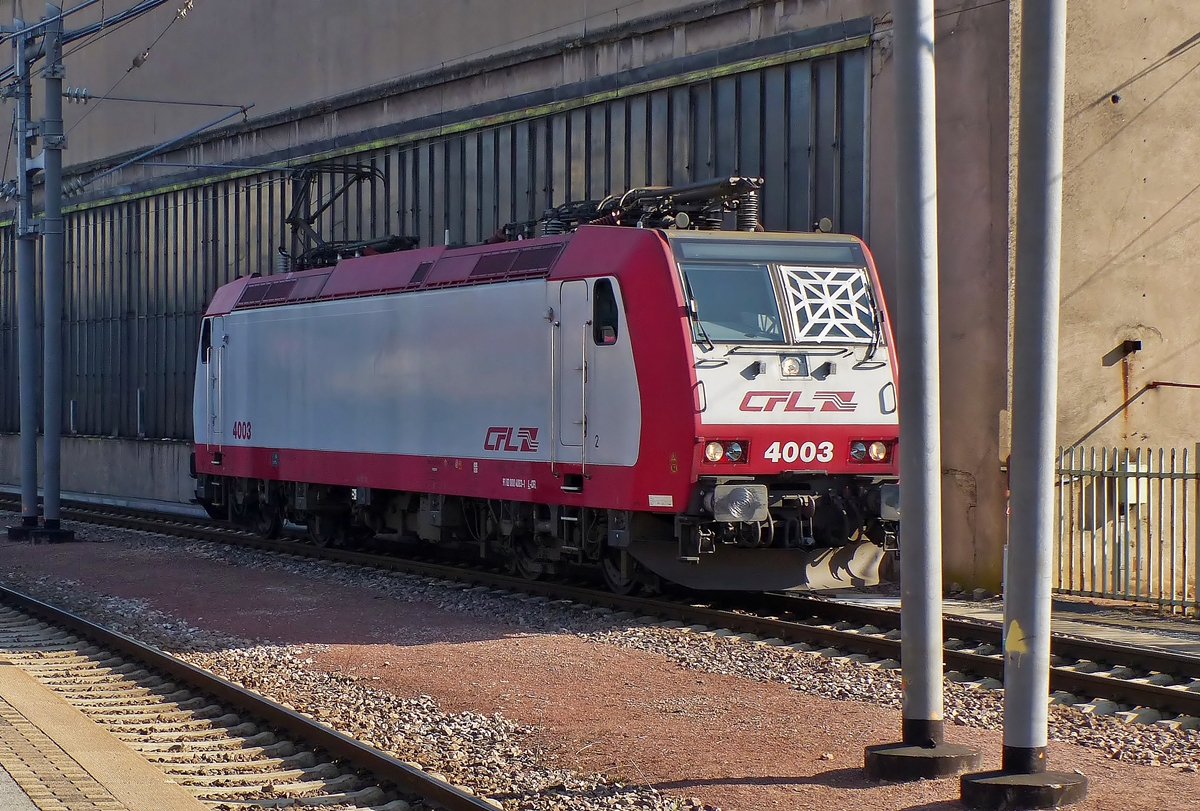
<point x="1014" y="640"/>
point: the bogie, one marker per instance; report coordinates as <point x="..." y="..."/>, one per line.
<point x="530" y="540"/>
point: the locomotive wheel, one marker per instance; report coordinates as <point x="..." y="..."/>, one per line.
<point x="267" y="522"/>
<point x="524" y="560"/>
<point x="638" y="575"/>
<point x="324" y="530"/>
<point x="618" y="583"/>
<point x="239" y="514"/>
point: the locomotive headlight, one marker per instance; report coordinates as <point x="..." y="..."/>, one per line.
<point x="714" y="451"/>
<point x="878" y="451"/>
<point x="858" y="451"/>
<point x="791" y="367"/>
<point x="733" y="451"/>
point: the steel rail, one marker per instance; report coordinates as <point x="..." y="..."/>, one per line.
<point x="1062" y="678"/>
<point x="1063" y="645"/>
<point x="383" y="766"/>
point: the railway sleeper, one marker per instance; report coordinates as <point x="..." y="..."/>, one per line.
<point x="369" y="797"/>
<point x="35" y="652"/>
<point x="81" y="651"/>
<point x="198" y="731"/>
<point x="35" y="641"/>
<point x="52" y="666"/>
<point x="182" y="698"/>
<point x="259" y="740"/>
<point x="113" y="688"/>
<point x="278" y="778"/>
<point x="13" y="621"/>
<point x="347" y="782"/>
<point x="283" y="752"/>
<point x="152" y="730"/>
<point x="302" y="762"/>
<point x="96" y="687"/>
<point x="165" y="714"/>
<point x="30" y="635"/>
<point x="212" y="747"/>
<point x="101" y="673"/>
<point x="66" y="654"/>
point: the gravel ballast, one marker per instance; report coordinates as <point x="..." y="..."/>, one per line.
<point x="340" y="678"/>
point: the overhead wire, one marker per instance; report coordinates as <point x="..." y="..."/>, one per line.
<point x="138" y="60"/>
<point x="96" y="37"/>
<point x="118" y="19"/>
<point x="171" y="101"/>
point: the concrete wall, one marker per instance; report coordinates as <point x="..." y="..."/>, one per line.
<point x="972" y="54"/>
<point x="128" y="468"/>
<point x="1131" y="225"/>
<point x="322" y="78"/>
<point x="278" y="54"/>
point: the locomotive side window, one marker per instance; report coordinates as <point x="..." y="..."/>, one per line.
<point x="205" y="340"/>
<point x="605" y="313"/>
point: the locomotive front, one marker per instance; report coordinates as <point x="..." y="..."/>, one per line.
<point x="796" y="415"/>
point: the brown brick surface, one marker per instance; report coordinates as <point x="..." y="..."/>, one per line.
<point x="66" y="762"/>
<point x="51" y="778"/>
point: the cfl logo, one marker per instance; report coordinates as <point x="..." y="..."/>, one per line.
<point x="836" y="400"/>
<point x="517" y="440"/>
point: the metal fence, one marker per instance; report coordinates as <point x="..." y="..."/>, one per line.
<point x="1128" y="522"/>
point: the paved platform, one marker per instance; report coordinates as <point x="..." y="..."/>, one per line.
<point x="55" y="759"/>
<point x="1105" y="621"/>
<point x="167" y="507"/>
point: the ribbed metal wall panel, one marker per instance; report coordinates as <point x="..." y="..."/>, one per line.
<point x="140" y="272"/>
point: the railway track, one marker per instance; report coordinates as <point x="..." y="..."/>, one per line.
<point x="229" y="747"/>
<point x="1083" y="670"/>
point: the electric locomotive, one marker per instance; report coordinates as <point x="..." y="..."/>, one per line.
<point x="623" y="385"/>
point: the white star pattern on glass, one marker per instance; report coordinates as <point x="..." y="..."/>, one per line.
<point x="830" y="304"/>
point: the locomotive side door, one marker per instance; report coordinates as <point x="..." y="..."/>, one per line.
<point x="214" y="348"/>
<point x="572" y="325"/>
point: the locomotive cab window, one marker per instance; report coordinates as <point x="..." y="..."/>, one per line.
<point x="205" y="339"/>
<point x="605" y="313"/>
<point x="734" y="303"/>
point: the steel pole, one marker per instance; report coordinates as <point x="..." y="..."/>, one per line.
<point x="922" y="752"/>
<point x="53" y="143"/>
<point x="1035" y="384"/>
<point x="26" y="297"/>
<point x="919" y="400"/>
<point x="1023" y="780"/>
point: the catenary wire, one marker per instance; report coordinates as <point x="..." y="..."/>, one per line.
<point x="138" y="61"/>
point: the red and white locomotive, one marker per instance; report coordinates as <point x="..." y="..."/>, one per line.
<point x="716" y="408"/>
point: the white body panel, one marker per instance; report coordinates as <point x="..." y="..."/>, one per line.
<point x="430" y="373"/>
<point x="732" y="394"/>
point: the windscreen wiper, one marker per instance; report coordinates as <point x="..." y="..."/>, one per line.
<point x="706" y="342"/>
<point x="876" y="327"/>
<point x="694" y="314"/>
